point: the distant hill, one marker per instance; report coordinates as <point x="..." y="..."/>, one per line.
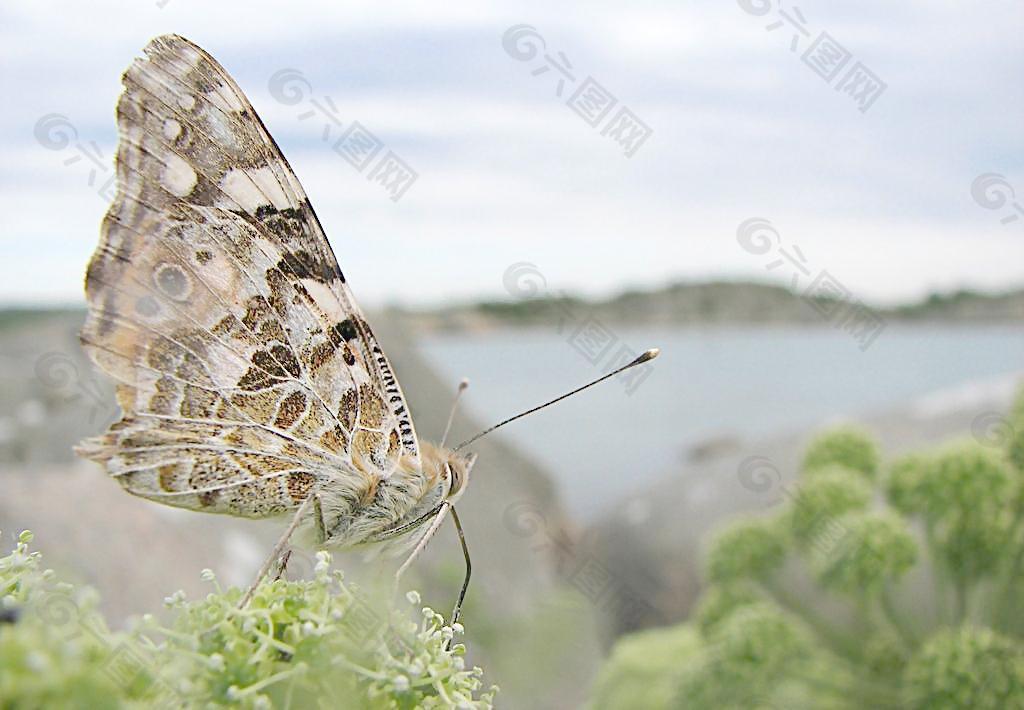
<point x="12" y="317"/>
<point x="682" y="303"/>
<point x="715" y="302"/>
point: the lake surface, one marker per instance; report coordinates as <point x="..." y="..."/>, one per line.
<point x="708" y="382"/>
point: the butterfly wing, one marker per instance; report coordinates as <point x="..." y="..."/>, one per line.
<point x="247" y="371"/>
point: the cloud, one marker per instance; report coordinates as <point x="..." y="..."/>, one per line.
<point x="741" y="127"/>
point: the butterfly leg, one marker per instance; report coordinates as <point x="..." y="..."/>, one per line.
<point x="429" y="533"/>
<point x="457" y="611"/>
<point x="277" y="551"/>
<point x="318" y="518"/>
<point x="282" y="565"/>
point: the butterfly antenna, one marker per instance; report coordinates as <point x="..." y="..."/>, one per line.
<point x="455" y="405"/>
<point x="647" y="356"/>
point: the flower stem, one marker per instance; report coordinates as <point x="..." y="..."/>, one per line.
<point x="839" y="642"/>
<point x="960" y="588"/>
<point x="901" y="627"/>
<point x="880" y="697"/>
<point x="1003" y="607"/>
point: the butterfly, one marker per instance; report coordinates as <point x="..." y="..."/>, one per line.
<point x="250" y="382"/>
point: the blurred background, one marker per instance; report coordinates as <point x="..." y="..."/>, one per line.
<point x="812" y="210"/>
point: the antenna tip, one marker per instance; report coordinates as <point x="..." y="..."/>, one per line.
<point x="648" y="355"/>
<point x="463" y="384"/>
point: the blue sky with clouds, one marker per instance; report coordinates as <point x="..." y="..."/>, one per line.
<point x="741" y="127"/>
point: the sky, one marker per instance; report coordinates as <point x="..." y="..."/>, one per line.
<point x="606" y="145"/>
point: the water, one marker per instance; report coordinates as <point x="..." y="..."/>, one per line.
<point x="708" y="382"/>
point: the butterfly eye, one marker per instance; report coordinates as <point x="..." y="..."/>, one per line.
<point x="455" y="482"/>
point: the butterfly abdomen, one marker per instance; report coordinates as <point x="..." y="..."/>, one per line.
<point x="405" y="500"/>
<point x="377" y="507"/>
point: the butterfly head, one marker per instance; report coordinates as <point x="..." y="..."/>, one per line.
<point x="446" y="471"/>
<point x="455" y="474"/>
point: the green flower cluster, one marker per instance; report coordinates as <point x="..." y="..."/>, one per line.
<point x="960" y="494"/>
<point x="898" y="586"/>
<point x="845" y="446"/>
<point x="967" y="668"/>
<point x="314" y="643"/>
<point x="824" y="497"/>
<point x="747" y="549"/>
<point x="741" y="655"/>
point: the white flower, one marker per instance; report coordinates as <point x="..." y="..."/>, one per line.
<point x="176" y="598"/>
<point x="323" y="562"/>
<point x="36" y="661"/>
<point x="413" y="596"/>
<point x="215" y="662"/>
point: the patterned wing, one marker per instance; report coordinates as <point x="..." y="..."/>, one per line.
<point x="247" y="371"/>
